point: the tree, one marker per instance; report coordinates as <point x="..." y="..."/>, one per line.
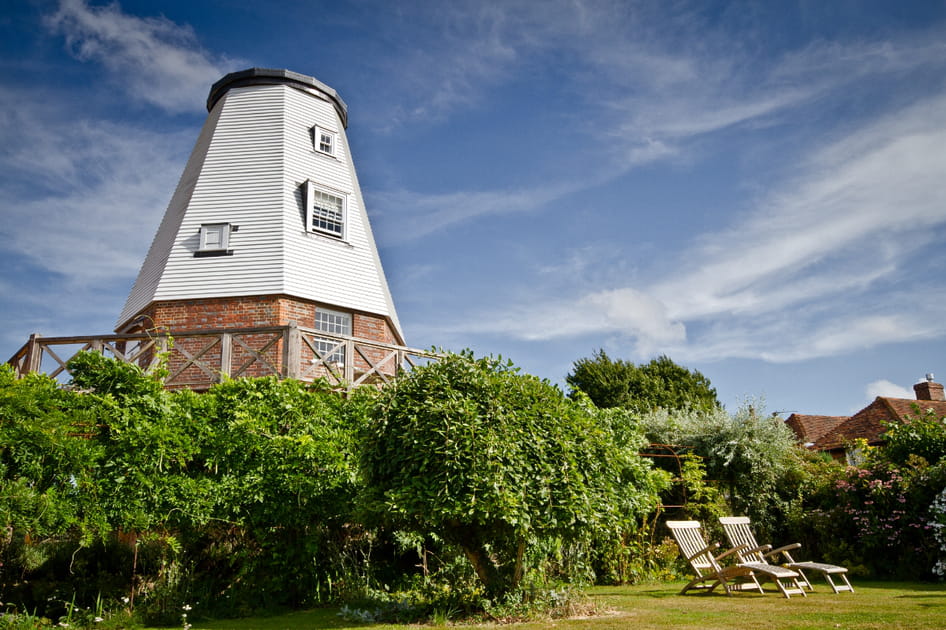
<point x="659" y="384"/>
<point x="489" y="459"/>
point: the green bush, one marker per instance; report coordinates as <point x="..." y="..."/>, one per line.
<point x="494" y="462"/>
<point x="751" y="459"/>
<point x="875" y="519"/>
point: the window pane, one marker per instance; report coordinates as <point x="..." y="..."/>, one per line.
<point x="336" y="323"/>
<point x="327" y="213"/>
<point x="333" y="322"/>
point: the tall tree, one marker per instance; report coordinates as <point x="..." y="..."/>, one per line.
<point x="659" y="384"/>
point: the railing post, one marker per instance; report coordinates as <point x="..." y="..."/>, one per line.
<point x="349" y="371"/>
<point x="292" y="351"/>
<point x="160" y="354"/>
<point x="34" y="355"/>
<point x="226" y="355"/>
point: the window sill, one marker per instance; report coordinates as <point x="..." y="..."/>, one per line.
<point x="213" y="253"/>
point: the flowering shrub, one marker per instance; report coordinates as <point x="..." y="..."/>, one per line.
<point x="938" y="523"/>
<point x="875" y="519"/>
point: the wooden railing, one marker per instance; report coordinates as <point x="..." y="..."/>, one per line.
<point x="197" y="359"/>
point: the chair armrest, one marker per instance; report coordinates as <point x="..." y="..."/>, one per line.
<point x="705" y="550"/>
<point x="760" y="549"/>
<point x="736" y="549"/>
<point x="775" y="552"/>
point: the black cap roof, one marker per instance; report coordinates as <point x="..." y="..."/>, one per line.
<point x="271" y="76"/>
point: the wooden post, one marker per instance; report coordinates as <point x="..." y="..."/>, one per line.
<point x="34" y="355"/>
<point x="226" y="355"/>
<point x="292" y="351"/>
<point x="349" y="362"/>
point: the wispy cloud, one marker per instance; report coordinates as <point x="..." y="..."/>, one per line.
<point x="861" y="203"/>
<point x="151" y="58"/>
<point x="98" y="189"/>
<point x="790" y="280"/>
<point x="653" y="96"/>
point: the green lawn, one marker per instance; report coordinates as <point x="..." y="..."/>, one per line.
<point x="887" y="605"/>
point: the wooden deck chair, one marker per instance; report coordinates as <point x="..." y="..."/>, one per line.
<point x="739" y="533"/>
<point x="710" y="573"/>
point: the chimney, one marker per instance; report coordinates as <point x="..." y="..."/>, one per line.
<point x="928" y="390"/>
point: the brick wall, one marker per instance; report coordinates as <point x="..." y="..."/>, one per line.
<point x="252" y="312"/>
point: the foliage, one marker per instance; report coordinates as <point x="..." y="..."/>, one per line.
<point x="491" y="461"/>
<point x="629" y="551"/>
<point x="874" y="518"/>
<point x="751" y="458"/>
<point x="921" y="435"/>
<point x="118" y="488"/>
<point x="661" y="383"/>
<point x="937" y="523"/>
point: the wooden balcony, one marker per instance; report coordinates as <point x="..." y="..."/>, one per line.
<point x="197" y="359"/>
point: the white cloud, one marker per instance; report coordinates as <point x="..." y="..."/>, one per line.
<point x="625" y="312"/>
<point x="791" y="279"/>
<point x="886" y="389"/>
<point x="859" y="208"/>
<point x="418" y="215"/>
<point x="651" y="96"/>
<point x="97" y="189"/>
<point x="153" y="59"/>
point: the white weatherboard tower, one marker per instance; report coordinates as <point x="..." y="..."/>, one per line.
<point x="267" y="226"/>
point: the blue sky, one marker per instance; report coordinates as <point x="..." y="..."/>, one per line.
<point x="755" y="189"/>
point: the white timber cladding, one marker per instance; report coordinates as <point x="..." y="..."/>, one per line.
<point x="142" y="292"/>
<point x="344" y="273"/>
<point x="250" y="168"/>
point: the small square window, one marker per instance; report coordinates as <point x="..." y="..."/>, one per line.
<point x="214" y="238"/>
<point x="325" y="211"/>
<point x="324" y="140"/>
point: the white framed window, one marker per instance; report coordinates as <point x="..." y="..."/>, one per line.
<point x="334" y="323"/>
<point x="324" y="141"/>
<point x="325" y="210"/>
<point x="214" y="239"/>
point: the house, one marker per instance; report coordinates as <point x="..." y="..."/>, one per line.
<point x="834" y="434"/>
<point x="264" y="262"/>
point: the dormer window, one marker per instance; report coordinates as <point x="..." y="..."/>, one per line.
<point x="325" y="210"/>
<point x="214" y="239"/>
<point x="324" y="140"/>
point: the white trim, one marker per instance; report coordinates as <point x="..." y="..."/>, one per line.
<point x="214" y="237"/>
<point x="324" y="140"/>
<point x="328" y="218"/>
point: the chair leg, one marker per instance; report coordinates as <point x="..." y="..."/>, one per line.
<point x="694" y="583"/>
<point x="849" y="587"/>
<point x="788" y="590"/>
<point x="837" y="588"/>
<point x="758" y="586"/>
<point x="803" y="579"/>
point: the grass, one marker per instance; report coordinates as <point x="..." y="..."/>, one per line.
<point x="887" y="605"/>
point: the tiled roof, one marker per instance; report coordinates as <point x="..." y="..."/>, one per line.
<point x="809" y="429"/>
<point x="868" y="422"/>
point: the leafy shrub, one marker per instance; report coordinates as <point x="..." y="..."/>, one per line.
<point x="875" y="518"/>
<point x="921" y="435"/>
<point x="491" y="461"/>
<point x="752" y="460"/>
